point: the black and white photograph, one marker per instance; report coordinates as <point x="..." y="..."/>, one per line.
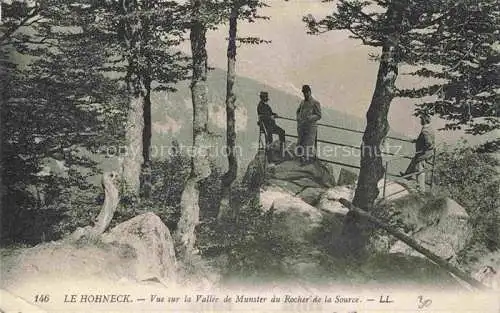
<point x="333" y="156"/>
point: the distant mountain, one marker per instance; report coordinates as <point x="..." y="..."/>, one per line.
<point x="172" y="120"/>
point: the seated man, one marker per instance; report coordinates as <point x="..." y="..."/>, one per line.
<point x="424" y="146"/>
<point x="267" y="122"/>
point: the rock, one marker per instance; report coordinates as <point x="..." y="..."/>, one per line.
<point x="269" y="194"/>
<point x="293" y="170"/>
<point x="294" y="217"/>
<point x="152" y="245"/>
<point x="442" y="226"/>
<point x="329" y="199"/>
<point x="347" y="177"/>
<point x="307" y="183"/>
<point x="311" y="195"/>
<point x="393" y="190"/>
<point x="286" y="185"/>
<point x="70" y="261"/>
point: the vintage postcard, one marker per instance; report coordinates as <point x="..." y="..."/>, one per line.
<point x="332" y="156"/>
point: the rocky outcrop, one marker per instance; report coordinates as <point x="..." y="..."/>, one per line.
<point x="136" y="250"/>
<point x="302" y="196"/>
<point x="440" y="225"/>
<point x="311" y="175"/>
<point x="293" y="215"/>
<point x="311" y="195"/>
<point x="329" y="199"/>
<point x="152" y="246"/>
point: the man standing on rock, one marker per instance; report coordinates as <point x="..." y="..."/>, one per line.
<point x="267" y="122"/>
<point x="424" y="146"/>
<point x="308" y="113"/>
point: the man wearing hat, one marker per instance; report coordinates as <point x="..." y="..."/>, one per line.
<point x="308" y="113"/>
<point x="267" y="122"/>
<point x="424" y="146"/>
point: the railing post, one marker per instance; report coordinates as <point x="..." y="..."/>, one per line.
<point x="316" y="144"/>
<point x="385" y="178"/>
<point x="432" y="170"/>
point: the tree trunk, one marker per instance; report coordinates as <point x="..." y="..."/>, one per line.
<point x="146" y="183"/>
<point x="230" y="175"/>
<point x="146" y="76"/>
<point x="356" y="231"/>
<point x="200" y="163"/>
<point x="111" y="199"/>
<point x="133" y="158"/>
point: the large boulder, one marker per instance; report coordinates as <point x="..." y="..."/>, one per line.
<point x="136" y="250"/>
<point x="294" y="216"/>
<point x="152" y="244"/>
<point x="310" y="175"/>
<point x="440" y="225"/>
<point x="289" y="186"/>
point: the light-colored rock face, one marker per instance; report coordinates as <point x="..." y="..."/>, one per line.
<point x="138" y="249"/>
<point x="152" y="244"/>
<point x="329" y="200"/>
<point x="443" y="228"/>
<point x="296" y="217"/>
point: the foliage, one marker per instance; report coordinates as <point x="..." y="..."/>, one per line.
<point x="462" y="54"/>
<point x="168" y="179"/>
<point x="57" y="206"/>
<point x="254" y="247"/>
<point x="16" y="15"/>
<point x="454" y="44"/>
<point x="56" y="107"/>
<point x="67" y="98"/>
<point x="471" y="178"/>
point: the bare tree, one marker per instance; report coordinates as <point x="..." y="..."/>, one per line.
<point x="200" y="163"/>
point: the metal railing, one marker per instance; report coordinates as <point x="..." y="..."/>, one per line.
<point x="387" y="163"/>
<point x="416" y="174"/>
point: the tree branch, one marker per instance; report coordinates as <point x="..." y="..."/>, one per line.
<point x="24" y="22"/>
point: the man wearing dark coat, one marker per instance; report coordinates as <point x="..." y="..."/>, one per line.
<point x="267" y="121"/>
<point x="308" y="113"/>
<point x="424" y="146"/>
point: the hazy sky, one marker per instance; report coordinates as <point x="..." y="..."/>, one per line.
<point x="338" y="68"/>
